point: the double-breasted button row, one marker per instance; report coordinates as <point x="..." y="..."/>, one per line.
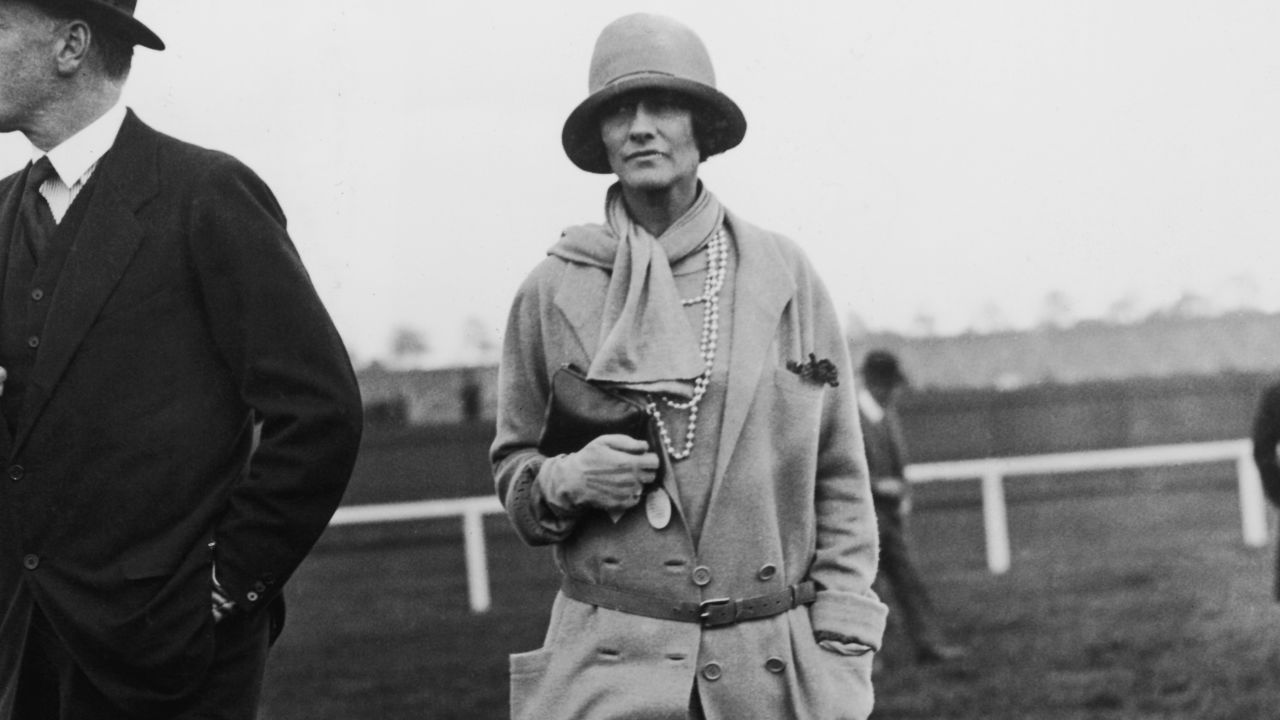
<point x="702" y="574"/>
<point x="712" y="670"/>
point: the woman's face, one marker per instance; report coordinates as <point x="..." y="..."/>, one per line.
<point x="649" y="140"/>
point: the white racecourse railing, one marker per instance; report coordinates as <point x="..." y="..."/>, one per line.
<point x="472" y="511"/>
<point x="991" y="472"/>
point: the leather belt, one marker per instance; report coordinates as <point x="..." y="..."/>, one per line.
<point x="717" y="612"/>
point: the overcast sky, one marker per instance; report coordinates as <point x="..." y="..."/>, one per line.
<point x="953" y="159"/>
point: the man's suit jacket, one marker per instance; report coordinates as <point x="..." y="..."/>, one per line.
<point x="886" y="457"/>
<point x="183" y="330"/>
<point x="1266" y="434"/>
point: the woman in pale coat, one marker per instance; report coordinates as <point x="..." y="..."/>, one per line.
<point x="726" y="572"/>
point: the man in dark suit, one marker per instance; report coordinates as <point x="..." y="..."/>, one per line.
<point x="180" y="417"/>
<point x="1266" y="435"/>
<point x="897" y="577"/>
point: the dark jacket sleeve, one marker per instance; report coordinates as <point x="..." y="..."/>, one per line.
<point x="1266" y="434"/>
<point x="291" y="370"/>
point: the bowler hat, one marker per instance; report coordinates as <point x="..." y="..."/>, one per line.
<point x="116" y="16"/>
<point x="641" y="52"/>
<point x="882" y="366"/>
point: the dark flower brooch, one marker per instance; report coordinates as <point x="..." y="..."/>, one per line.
<point x="822" y="372"/>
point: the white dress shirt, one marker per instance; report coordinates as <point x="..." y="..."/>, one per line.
<point x="75" y="159"/>
<point x="870" y="408"/>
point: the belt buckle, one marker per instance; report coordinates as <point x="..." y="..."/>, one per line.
<point x="717" y="612"/>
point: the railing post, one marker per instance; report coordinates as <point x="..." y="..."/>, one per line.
<point x="477" y="560"/>
<point x="1253" y="505"/>
<point x="995" y="519"/>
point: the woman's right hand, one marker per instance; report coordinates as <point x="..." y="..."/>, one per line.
<point x="609" y="473"/>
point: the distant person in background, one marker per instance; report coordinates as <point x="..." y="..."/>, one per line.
<point x="1266" y="434"/>
<point x="179" y="417"/>
<point x="911" y="606"/>
<point x="723" y="568"/>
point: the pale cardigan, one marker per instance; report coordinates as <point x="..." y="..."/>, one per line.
<point x="790" y="501"/>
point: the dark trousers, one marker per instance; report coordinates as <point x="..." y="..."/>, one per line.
<point x="51" y="686"/>
<point x="898" y="578"/>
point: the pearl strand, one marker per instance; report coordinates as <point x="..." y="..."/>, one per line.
<point x="717" y="263"/>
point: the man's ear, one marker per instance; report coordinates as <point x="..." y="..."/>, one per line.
<point x="74" y="39"/>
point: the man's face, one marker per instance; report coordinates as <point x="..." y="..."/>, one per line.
<point x="27" y="65"/>
<point x="648" y="138"/>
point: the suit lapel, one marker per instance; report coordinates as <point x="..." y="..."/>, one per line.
<point x="761" y="290"/>
<point x="8" y="223"/>
<point x="104" y="245"/>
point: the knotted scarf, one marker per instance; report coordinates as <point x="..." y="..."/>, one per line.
<point x="646" y="341"/>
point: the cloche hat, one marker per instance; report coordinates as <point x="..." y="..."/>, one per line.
<point x="644" y="51"/>
<point x="116" y="16"/>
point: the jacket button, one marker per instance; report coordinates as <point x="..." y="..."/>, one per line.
<point x="260" y="586"/>
<point x="711" y="671"/>
<point x="775" y="665"/>
<point x="767" y="572"/>
<point x="31" y="562"/>
<point x="251" y="596"/>
<point x="702" y="576"/>
<point x="33" y="342"/>
<point x="16" y="472"/>
<point x="37" y="294"/>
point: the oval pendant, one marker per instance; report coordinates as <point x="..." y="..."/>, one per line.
<point x="657" y="508"/>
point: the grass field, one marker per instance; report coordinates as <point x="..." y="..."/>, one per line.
<point x="1127" y="600"/>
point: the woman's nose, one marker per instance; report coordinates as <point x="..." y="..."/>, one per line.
<point x="642" y="124"/>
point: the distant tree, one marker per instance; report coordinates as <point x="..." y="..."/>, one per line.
<point x="991" y="319"/>
<point x="479" y="339"/>
<point x="1124" y="311"/>
<point x="1056" y="311"/>
<point x="1189" y="305"/>
<point x="924" y="324"/>
<point x="408" y="346"/>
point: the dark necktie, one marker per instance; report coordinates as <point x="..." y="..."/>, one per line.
<point x="37" y="220"/>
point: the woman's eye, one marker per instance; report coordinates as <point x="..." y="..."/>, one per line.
<point x="622" y="109"/>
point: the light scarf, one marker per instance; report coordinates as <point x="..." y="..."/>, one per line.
<point x="646" y="340"/>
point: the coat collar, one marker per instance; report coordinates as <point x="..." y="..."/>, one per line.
<point x="762" y="287"/>
<point x="103" y="247"/>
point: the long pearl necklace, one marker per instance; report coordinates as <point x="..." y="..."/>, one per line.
<point x="717" y="262"/>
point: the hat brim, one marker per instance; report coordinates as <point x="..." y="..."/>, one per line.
<point x="581" y="134"/>
<point x="121" y="24"/>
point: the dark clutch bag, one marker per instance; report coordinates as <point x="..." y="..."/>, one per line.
<point x="579" y="411"/>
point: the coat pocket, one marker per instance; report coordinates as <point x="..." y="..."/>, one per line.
<point x="849" y="667"/>
<point x="527" y="672"/>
